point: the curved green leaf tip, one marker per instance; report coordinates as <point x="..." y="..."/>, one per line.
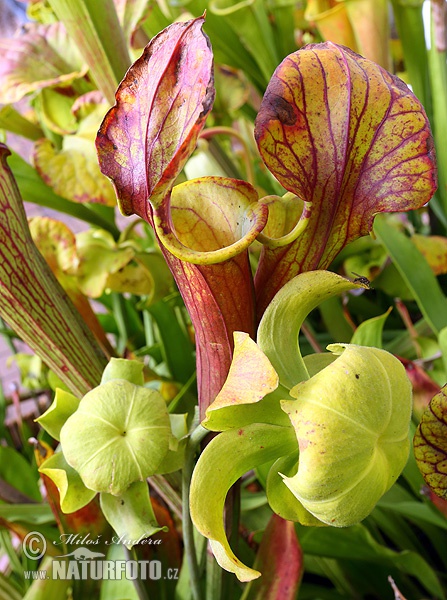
<point x="118" y="435"/>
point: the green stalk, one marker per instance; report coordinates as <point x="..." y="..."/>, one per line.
<point x="95" y="28"/>
<point x="229" y="168"/>
<point x="438" y="80"/>
<point x="410" y="27"/>
<point x="13" y="121"/>
<point x="196" y="437"/>
<point x="119" y="314"/>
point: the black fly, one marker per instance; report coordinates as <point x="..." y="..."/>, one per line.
<point x="362" y="280"/>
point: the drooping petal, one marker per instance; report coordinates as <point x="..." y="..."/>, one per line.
<point x="62" y="407"/>
<point x="350" y="140"/>
<point x="242" y="399"/>
<point x="224" y="460"/>
<point x="131" y="514"/>
<point x="73" y="493"/>
<point x="352" y="424"/>
<point x="280" y="326"/>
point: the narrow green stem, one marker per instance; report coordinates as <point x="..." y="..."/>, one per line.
<point x="222" y="159"/>
<point x="219" y="582"/>
<point x="168" y="493"/>
<point x="118" y="313"/>
<point x="214" y="577"/>
<point x="196" y="437"/>
<point x="138" y="584"/>
<point x="438" y="80"/>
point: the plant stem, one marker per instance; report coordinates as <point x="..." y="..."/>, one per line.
<point x="219" y="155"/>
<point x="138" y="584"/>
<point x="168" y="493"/>
<point x="196" y="437"/>
<point x="211" y="131"/>
<point x="118" y="313"/>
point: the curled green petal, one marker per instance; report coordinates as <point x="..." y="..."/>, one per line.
<point x="73" y="493"/>
<point x="280" y="326"/>
<point x="227" y="457"/>
<point x="53" y="419"/>
<point x="281" y="500"/>
<point x="119" y="434"/>
<point x="352" y="424"/>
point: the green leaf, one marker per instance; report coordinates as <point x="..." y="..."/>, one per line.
<point x="416" y="273"/>
<point x="224" y="460"/>
<point x="250" y="20"/>
<point x="48" y="589"/>
<point x="177" y="348"/>
<point x="95" y="29"/>
<point x="357" y="544"/>
<point x="11" y="120"/>
<point x="73" y="493"/>
<point x="369" y="333"/>
<point x="62" y="407"/>
<point x="131" y="514"/>
<point x="417" y="512"/>
<point x="33" y="514"/>
<point x="119" y="434"/>
<point x="15" y="470"/>
<point x="118" y="589"/>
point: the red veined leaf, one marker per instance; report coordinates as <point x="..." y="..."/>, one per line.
<point x="430" y="444"/>
<point x="161" y="106"/>
<point x="351" y="141"/>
